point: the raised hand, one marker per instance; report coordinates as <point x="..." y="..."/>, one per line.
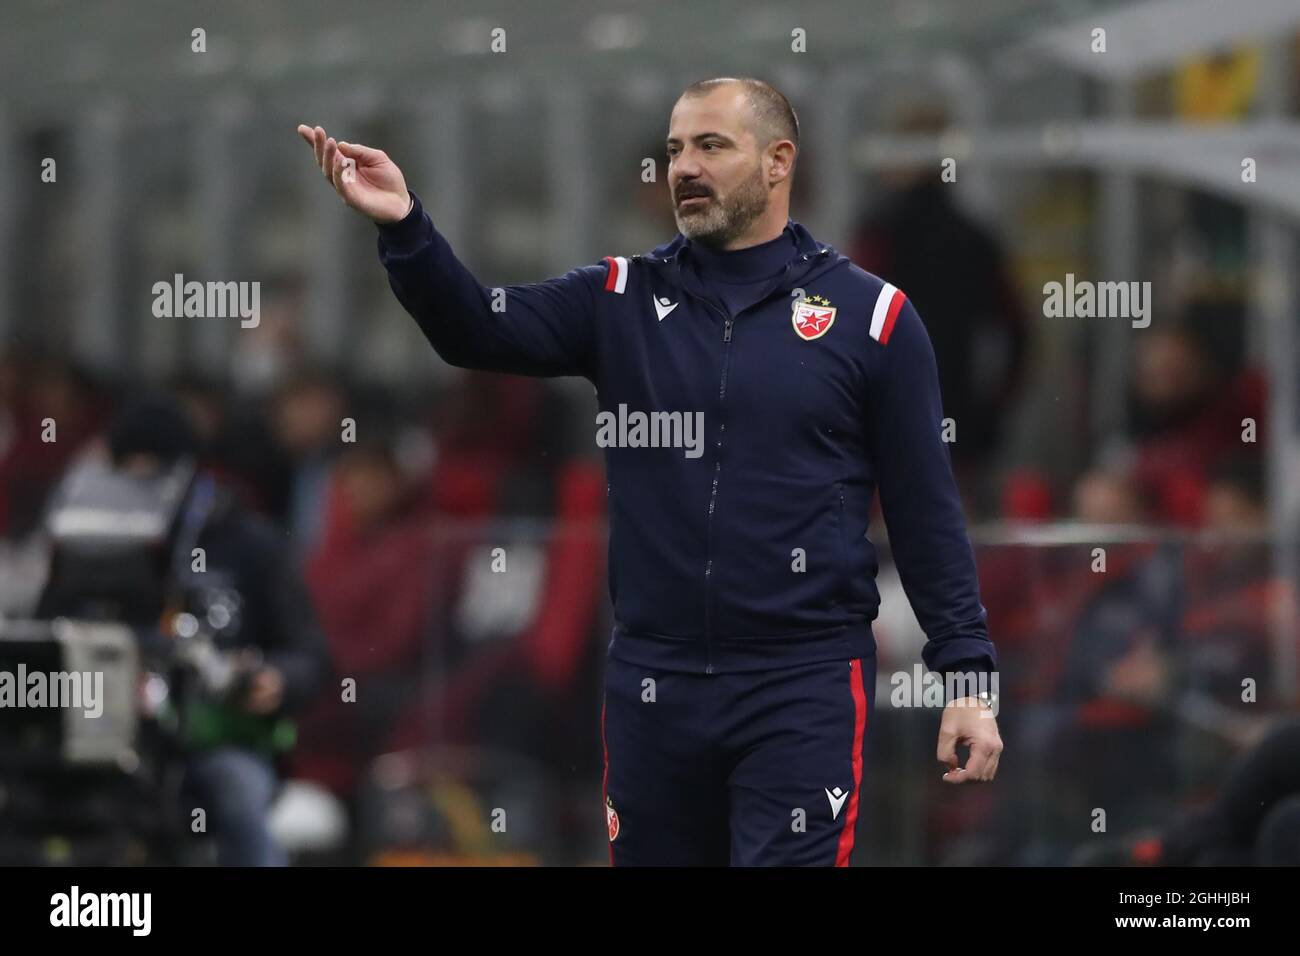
<point x="366" y="178"/>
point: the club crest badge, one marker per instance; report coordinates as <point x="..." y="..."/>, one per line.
<point x="611" y="819"/>
<point x="812" y="317"/>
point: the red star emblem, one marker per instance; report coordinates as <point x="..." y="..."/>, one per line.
<point x="812" y="321"/>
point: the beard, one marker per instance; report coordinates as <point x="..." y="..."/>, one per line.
<point x="719" y="221"/>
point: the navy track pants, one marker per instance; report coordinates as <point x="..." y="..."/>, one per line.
<point x="754" y="769"/>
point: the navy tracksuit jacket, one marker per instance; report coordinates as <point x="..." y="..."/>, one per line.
<point x="742" y="664"/>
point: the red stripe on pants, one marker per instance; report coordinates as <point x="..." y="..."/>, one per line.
<point x="859" y="732"/>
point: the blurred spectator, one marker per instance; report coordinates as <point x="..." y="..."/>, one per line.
<point x="500" y="440"/>
<point x="1252" y="820"/>
<point x="48" y="410"/>
<point x="956" y="274"/>
<point x="1115" y="676"/>
<point x="1234" y="498"/>
<point x="1236" y="600"/>
<point x="236" y="444"/>
<point x="307" y="421"/>
<point x="371" y="577"/>
<point x="266" y="354"/>
<point x="512" y="447"/>
<point x="1106" y="497"/>
<point x="1186" y="412"/>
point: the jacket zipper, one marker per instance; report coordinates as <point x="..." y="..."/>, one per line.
<point x="727" y="325"/>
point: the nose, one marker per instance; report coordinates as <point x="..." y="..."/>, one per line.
<point x="684" y="166"/>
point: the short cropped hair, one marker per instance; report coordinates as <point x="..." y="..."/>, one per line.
<point x="774" y="117"/>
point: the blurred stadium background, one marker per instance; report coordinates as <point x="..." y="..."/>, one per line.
<point x="1120" y="689"/>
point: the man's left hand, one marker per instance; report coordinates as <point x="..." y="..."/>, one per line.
<point x="969" y="721"/>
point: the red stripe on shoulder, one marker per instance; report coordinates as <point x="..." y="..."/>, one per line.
<point x="611" y="278"/>
<point x="895" y="307"/>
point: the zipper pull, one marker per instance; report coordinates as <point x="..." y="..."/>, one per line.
<point x="726" y="331"/>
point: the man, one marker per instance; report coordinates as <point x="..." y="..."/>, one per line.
<point x="267" y="625"/>
<point x="977" y="326"/>
<point x="742" y="665"/>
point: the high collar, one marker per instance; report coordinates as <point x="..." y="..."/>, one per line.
<point x="811" y="259"/>
<point x="805" y="244"/>
<point x="752" y="264"/>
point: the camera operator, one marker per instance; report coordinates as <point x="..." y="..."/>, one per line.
<point x="250" y="596"/>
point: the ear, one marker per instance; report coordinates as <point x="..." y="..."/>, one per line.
<point x="780" y="161"/>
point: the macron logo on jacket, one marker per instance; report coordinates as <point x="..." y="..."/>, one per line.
<point x="663" y="308"/>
